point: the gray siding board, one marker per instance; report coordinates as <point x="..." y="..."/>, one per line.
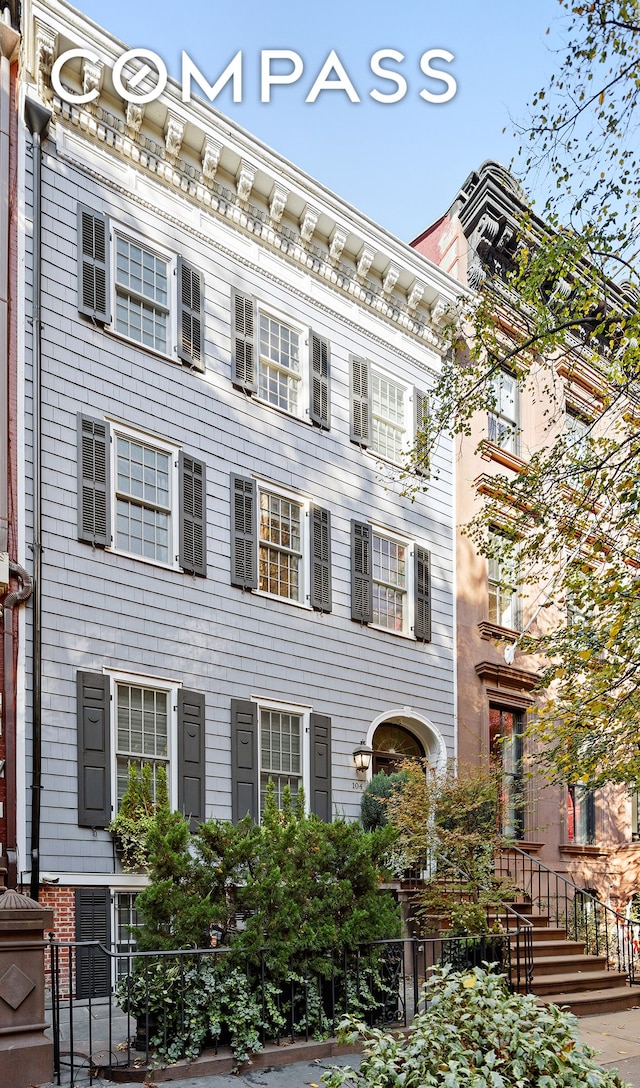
<point x="210" y="643"/>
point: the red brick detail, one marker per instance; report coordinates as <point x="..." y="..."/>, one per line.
<point x="62" y="902"/>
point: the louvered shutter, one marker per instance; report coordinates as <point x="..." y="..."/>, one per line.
<point x="191" y="315"/>
<point x="93" y="265"/>
<point x="320" y="559"/>
<point x="94" y="499"/>
<point x="319" y="407"/>
<point x="320" y="750"/>
<point x="360" y="402"/>
<point x="93" y="923"/>
<point x="244" y="533"/>
<point x="361" y="573"/>
<point x="193" y="518"/>
<point x="421" y="414"/>
<point x="191" y="756"/>
<point x="244" y="760"/>
<point x="94" y="760"/>
<point x="243" y="343"/>
<point x="422" y="594"/>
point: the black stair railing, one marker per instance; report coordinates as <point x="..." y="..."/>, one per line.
<point x="602" y="930"/>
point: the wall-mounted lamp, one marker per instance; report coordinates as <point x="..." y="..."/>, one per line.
<point x="362" y="757"/>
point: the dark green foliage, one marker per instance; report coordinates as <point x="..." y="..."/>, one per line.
<point x="293" y="898"/>
<point x="373" y="812"/>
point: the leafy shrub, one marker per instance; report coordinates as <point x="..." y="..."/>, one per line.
<point x="139" y="806"/>
<point x="373" y="811"/>
<point x="474" y="1032"/>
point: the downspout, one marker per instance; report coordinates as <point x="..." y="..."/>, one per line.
<point x="11" y="600"/>
<point x="37" y="119"/>
<point x="9" y="41"/>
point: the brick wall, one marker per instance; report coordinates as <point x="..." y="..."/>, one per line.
<point x="62" y="902"/>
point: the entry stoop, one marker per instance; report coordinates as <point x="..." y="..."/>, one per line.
<point x="564" y="974"/>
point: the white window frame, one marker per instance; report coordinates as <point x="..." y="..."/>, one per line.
<point x="117" y="231"/>
<point x="304" y="589"/>
<point x="408" y="617"/>
<point x="120" y="963"/>
<point x="304" y="713"/>
<point x="378" y="372"/>
<point x="304" y="335"/>
<point x="510" y="440"/>
<point x="575" y="430"/>
<point x="150" y="683"/>
<point x="123" y="431"/>
<point x="501" y="594"/>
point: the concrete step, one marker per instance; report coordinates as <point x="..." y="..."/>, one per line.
<point x="576" y="982"/>
<point x="547" y="933"/>
<point x="557" y="948"/>
<point x="596" y="1002"/>
<point x="555" y="965"/>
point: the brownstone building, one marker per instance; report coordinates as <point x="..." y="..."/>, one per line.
<point x="592" y="836"/>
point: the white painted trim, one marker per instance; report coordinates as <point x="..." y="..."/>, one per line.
<point x="429" y="731"/>
<point x="304" y="712"/>
<point x="137" y="681"/>
<point x="121" y="882"/>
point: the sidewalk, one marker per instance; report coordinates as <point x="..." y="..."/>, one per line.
<point x="615" y="1037"/>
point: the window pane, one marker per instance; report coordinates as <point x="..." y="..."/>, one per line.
<point x="142" y="474"/>
<point x="141" y="295"/>
<point x="279" y="555"/>
<point x="279" y="364"/>
<point x="389" y="425"/>
<point x="142" y="731"/>
<point x="389" y="583"/>
<point x="280" y="752"/>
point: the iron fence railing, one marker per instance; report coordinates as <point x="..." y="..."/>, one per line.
<point x="602" y="930"/>
<point x="140" y="1006"/>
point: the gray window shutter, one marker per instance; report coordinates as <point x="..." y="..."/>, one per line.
<point x="93" y="265"/>
<point x="320" y="745"/>
<point x="422" y="594"/>
<point x="320" y="598"/>
<point x="94" y="756"/>
<point x="361" y="573"/>
<point x="94" y="498"/>
<point x="319" y="409"/>
<point x="244" y="533"/>
<point x="193" y="516"/>
<point x="93" y="923"/>
<point x="243" y="343"/>
<point x="360" y="401"/>
<point x="191" y="756"/>
<point x="421" y="414"/>
<point x="191" y="315"/>
<point x="244" y="760"/>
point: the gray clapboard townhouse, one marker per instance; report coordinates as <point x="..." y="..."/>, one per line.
<point x="229" y="367"/>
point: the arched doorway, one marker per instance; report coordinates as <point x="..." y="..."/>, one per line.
<point x="392" y="743"/>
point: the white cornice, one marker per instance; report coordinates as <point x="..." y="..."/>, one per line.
<point x="193" y="148"/>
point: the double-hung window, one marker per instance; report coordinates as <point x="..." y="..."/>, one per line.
<point x="581" y="816"/>
<point x="142" y="294"/>
<point x="140" y="496"/>
<point x="504" y="599"/>
<point x="280" y="362"/>
<point x="144" y="497"/>
<point x="386" y="413"/>
<point x="149" y="296"/>
<point x="281" y="751"/>
<point x="280" y="544"/>
<point x="143" y="727"/>
<point x="389" y="417"/>
<point x="503" y="413"/>
<point x="390" y="583"/>
<point x="126" y="720"/>
<point x="280" y="548"/>
<point x="575" y="433"/>
<point x="286" y="744"/>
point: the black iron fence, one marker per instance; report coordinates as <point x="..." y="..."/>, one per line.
<point x="170" y="1005"/>
<point x="602" y="930"/>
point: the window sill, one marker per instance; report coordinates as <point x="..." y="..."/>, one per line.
<point x="492" y="452"/>
<point x="143" y="559"/>
<point x="282" y="600"/>
<point x="390" y="631"/>
<point x="167" y="357"/>
<point x="494" y="632"/>
<point x="575" y="850"/>
<point x="283" y="411"/>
